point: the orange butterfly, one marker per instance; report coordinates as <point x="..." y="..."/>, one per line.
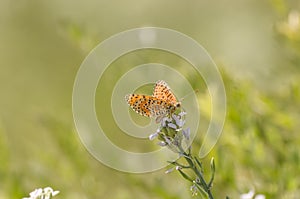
<point x="162" y="102"/>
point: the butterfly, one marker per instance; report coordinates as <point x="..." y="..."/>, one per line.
<point x="163" y="102"/>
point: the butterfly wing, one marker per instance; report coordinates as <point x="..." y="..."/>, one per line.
<point x="148" y="106"/>
<point x="163" y="92"/>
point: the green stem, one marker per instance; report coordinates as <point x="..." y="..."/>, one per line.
<point x="190" y="161"/>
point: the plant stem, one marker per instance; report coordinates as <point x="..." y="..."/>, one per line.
<point x="192" y="165"/>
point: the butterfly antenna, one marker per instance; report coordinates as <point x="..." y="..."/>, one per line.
<point x="192" y="92"/>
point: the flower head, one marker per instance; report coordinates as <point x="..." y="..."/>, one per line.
<point x="45" y="193"/>
<point x="170" y="132"/>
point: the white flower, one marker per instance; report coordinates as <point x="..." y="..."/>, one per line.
<point x="48" y="191"/>
<point x="248" y="195"/>
<point x="182" y="113"/>
<point x="45" y="193"/>
<point x="153" y="136"/>
<point x="171" y="125"/>
<point x="164" y="120"/>
<point x="162" y="143"/>
<point x="260" y="196"/>
<point x="186" y="133"/>
<point x="179" y="121"/>
<point x="167" y="141"/>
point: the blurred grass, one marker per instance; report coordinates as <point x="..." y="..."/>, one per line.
<point x="43" y="44"/>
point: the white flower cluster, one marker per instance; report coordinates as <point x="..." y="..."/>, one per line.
<point x="251" y="195"/>
<point x="171" y="132"/>
<point x="40" y="193"/>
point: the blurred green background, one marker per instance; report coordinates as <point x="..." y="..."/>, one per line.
<point x="256" y="45"/>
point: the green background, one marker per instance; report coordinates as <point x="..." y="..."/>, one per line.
<point x="256" y="45"/>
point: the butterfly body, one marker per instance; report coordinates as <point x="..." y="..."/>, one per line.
<point x="162" y="102"/>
